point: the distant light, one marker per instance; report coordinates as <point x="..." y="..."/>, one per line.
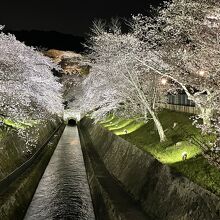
<point x="201" y="72"/>
<point x="163" y="81"/>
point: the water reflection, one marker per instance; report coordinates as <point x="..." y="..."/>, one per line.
<point x="63" y="191"/>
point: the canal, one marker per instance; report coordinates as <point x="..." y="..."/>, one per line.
<point x="63" y="192"/>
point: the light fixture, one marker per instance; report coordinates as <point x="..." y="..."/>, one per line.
<point x="184" y="155"/>
<point x="201" y="72"/>
<point x="163" y="81"/>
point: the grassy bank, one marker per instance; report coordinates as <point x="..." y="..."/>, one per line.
<point x="18" y="124"/>
<point x="9" y="126"/>
<point x="180" y="134"/>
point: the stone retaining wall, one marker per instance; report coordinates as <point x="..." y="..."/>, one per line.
<point x="15" y="201"/>
<point x="13" y="149"/>
<point x="161" y="192"/>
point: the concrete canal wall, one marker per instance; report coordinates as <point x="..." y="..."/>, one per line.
<point x="161" y="192"/>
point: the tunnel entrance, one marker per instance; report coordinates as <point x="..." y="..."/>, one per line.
<point x="71" y="122"/>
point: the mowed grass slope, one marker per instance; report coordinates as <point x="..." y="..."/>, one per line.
<point x="180" y="135"/>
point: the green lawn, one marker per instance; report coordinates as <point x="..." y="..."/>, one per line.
<point x="179" y="132"/>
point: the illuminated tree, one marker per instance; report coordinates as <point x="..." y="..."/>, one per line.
<point x="116" y="82"/>
<point x="185" y="39"/>
<point x="28" y="89"/>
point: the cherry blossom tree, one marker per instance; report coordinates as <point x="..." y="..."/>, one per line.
<point x="28" y="89"/>
<point x="116" y="82"/>
<point x="185" y="39"/>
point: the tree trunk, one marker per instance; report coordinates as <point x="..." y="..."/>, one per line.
<point x="158" y="126"/>
<point x="206" y="114"/>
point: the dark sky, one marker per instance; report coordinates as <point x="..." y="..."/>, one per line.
<point x="66" y="16"/>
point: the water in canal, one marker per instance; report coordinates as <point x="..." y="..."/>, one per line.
<point x="63" y="192"/>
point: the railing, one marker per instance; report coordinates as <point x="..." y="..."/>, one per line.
<point x="5" y="182"/>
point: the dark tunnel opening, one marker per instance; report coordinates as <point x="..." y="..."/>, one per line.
<point x="71" y="122"/>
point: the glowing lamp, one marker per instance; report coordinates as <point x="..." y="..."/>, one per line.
<point x="201" y="72"/>
<point x="163" y="81"/>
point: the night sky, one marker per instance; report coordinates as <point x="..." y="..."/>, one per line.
<point x="66" y="16"/>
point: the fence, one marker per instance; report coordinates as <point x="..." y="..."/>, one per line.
<point x="180" y="108"/>
<point x="180" y="103"/>
<point x="180" y="99"/>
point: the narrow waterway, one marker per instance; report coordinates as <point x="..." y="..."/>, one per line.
<point x="63" y="192"/>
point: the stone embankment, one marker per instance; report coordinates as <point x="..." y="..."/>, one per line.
<point x="16" y="196"/>
<point x="159" y="191"/>
<point x="14" y="150"/>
